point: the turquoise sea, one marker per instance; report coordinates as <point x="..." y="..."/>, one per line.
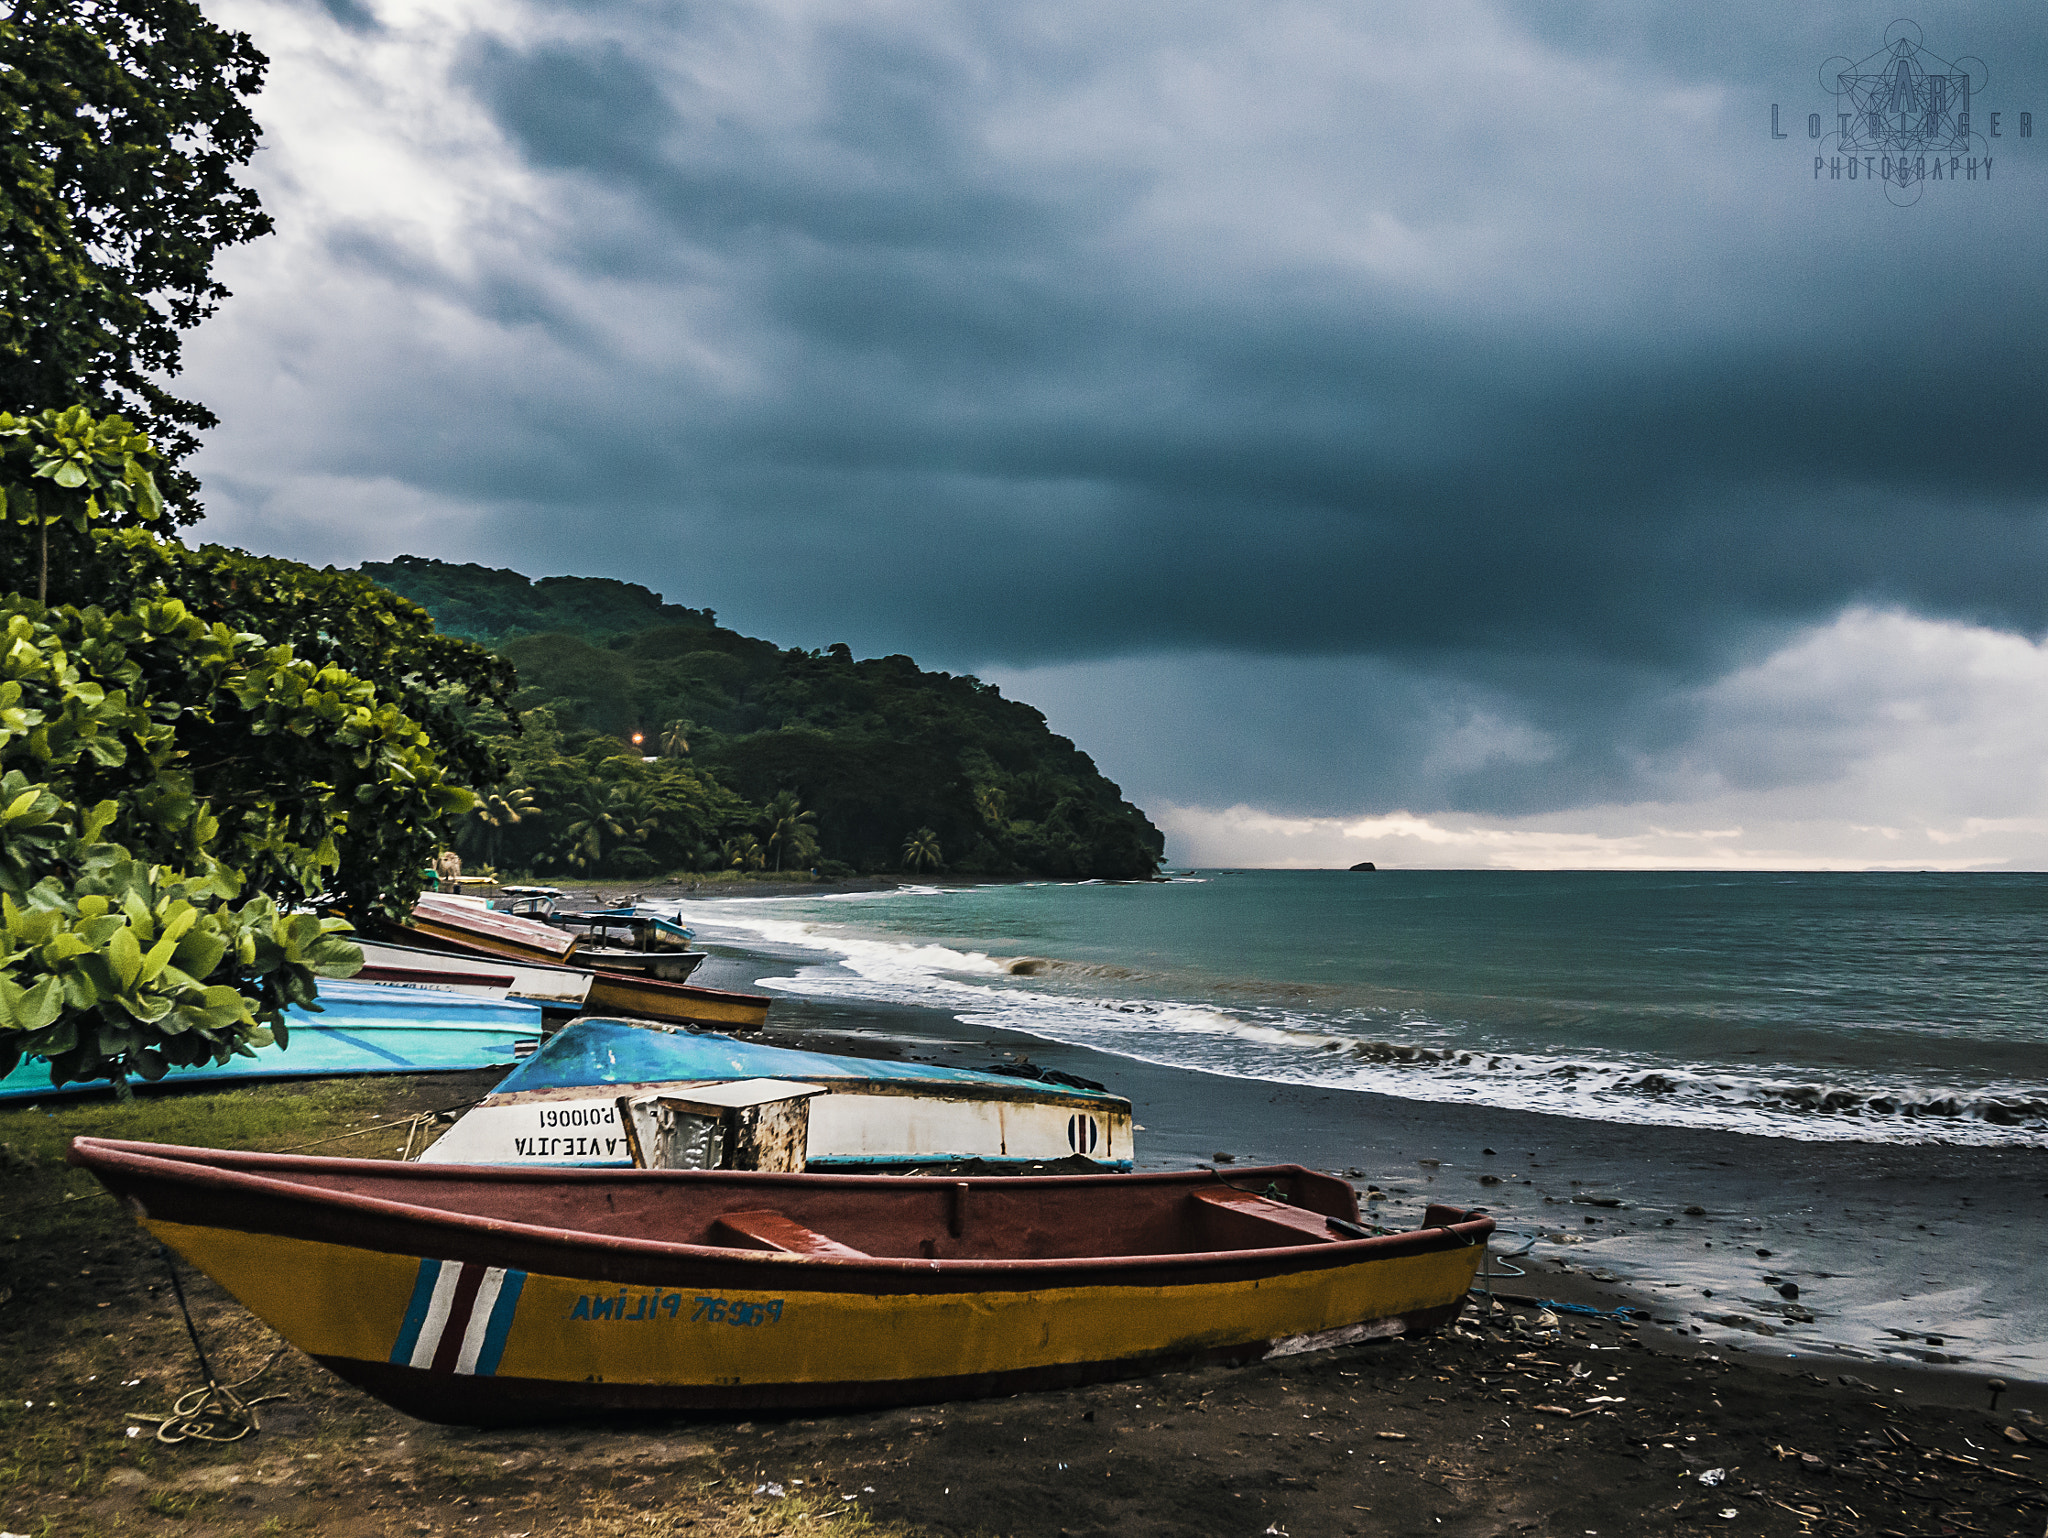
<point x="1886" y="1007"/>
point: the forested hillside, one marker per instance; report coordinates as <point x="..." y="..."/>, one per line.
<point x="754" y="755"/>
<point x="480" y="603"/>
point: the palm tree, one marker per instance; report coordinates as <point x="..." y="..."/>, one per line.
<point x="502" y="808"/>
<point x="993" y="805"/>
<point x="675" y="738"/>
<point x="593" y="820"/>
<point x="921" y="850"/>
<point x="638" y="810"/>
<point x="791" y="829"/>
<point x="743" y="853"/>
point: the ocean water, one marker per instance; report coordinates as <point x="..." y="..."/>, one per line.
<point x="1877" y="1007"/>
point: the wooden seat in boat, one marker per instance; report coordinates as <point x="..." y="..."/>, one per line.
<point x="767" y="1229"/>
<point x="1242" y="1220"/>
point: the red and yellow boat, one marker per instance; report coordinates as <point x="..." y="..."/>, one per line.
<point x="479" y="1295"/>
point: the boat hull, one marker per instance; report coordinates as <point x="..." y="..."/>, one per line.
<point x="561" y="1106"/>
<point x="663" y="966"/>
<point x="854" y="1125"/>
<point x="626" y="994"/>
<point x="476" y="928"/>
<point x="613" y="993"/>
<point x="550" y="987"/>
<point x="499" y="1322"/>
<point x="362" y="1028"/>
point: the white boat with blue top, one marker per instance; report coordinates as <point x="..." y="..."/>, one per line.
<point x="360" y="1028"/>
<point x="562" y="1106"/>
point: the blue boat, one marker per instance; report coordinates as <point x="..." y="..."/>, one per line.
<point x="564" y="1105"/>
<point x="361" y="1028"/>
<point x="659" y="933"/>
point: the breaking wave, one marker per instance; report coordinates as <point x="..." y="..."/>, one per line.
<point x="1401" y="1054"/>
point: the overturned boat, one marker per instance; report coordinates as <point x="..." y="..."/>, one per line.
<point x="489" y="1296"/>
<point x="576" y="1101"/>
<point x="471" y="925"/>
<point x="560" y="991"/>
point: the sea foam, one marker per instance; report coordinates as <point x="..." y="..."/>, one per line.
<point x="1400" y="1054"/>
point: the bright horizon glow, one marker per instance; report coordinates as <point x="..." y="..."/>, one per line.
<point x="1244" y="838"/>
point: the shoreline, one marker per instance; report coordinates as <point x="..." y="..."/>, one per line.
<point x="1686" y="1223"/>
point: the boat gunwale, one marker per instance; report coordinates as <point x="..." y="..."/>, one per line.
<point x="202" y="1168"/>
<point x="682" y="990"/>
<point x="450" y="977"/>
<point x="460" y="947"/>
<point x="1025" y="1091"/>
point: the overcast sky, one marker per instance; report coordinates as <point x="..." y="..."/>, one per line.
<point x="1450" y="434"/>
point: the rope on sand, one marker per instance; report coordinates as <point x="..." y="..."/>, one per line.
<point x="215" y="1413"/>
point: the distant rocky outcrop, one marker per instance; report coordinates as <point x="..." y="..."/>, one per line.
<point x="1365" y="865"/>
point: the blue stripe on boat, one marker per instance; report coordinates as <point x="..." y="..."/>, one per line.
<point x="416" y="1312"/>
<point x="500" y="1325"/>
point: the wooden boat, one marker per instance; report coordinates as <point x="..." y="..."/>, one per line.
<point x="662" y="966"/>
<point x="568" y="1104"/>
<point x="471" y="926"/>
<point x="487" y="1296"/>
<point x="623" y="993"/>
<point x="361" y="1028"/>
<point x="463" y="929"/>
<point x="441" y="979"/>
<point x="620" y="939"/>
<point x="559" y="990"/>
<point x="650" y="931"/>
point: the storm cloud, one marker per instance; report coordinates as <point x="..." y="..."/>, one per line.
<point x="1445" y="406"/>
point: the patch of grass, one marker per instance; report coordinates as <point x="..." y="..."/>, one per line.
<point x="252" y="1116"/>
<point x="177" y="1504"/>
<point x="724" y="1511"/>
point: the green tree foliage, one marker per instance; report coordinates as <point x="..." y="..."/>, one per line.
<point x="330" y="620"/>
<point x="122" y="125"/>
<point x="491" y="605"/>
<point x="593" y="823"/>
<point x="482" y="832"/>
<point x="123" y="840"/>
<point x="177" y="770"/>
<point x="67" y="468"/>
<point x="667" y="815"/>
